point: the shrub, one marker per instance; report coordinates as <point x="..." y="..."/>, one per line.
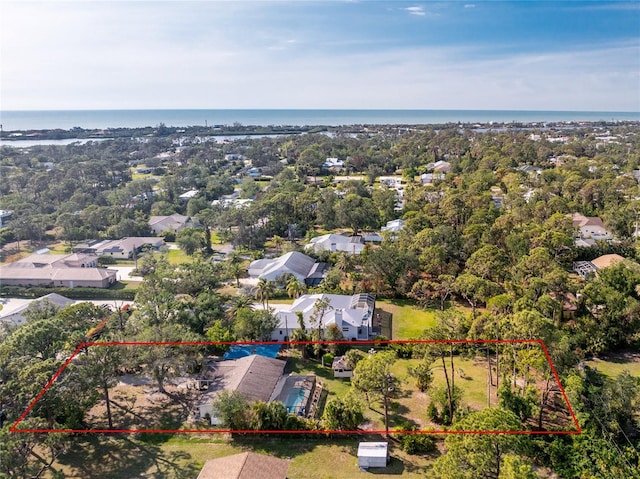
<point x="432" y="413"/>
<point x="327" y="359"/>
<point x="416" y="443"/>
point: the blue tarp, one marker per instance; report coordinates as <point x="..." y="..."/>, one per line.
<point x="241" y="350"/>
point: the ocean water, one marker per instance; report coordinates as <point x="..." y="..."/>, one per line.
<point x="102" y="119"/>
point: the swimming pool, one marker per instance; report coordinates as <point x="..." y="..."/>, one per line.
<point x="241" y="350"/>
<point x="296" y="400"/>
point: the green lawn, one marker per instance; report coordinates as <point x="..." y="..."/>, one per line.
<point x="181" y="457"/>
<point x="612" y="367"/>
<point x="336" y="387"/>
<point x="409" y="321"/>
<point x="177" y="256"/>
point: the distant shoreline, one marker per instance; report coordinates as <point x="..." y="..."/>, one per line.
<point x="31" y="120"/>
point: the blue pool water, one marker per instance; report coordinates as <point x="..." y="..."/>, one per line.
<point x="241" y="350"/>
<point x="294" y="400"/>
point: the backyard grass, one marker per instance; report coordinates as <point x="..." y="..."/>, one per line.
<point x="614" y="365"/>
<point x="409" y="321"/>
<point x="178" y="256"/>
<point x="182" y="457"/>
<point x="336" y="387"/>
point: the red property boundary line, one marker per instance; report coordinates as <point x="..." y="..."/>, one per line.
<point x="578" y="430"/>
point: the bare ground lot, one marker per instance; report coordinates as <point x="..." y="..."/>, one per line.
<point x="143" y="407"/>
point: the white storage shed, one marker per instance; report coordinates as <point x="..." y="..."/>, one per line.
<point x="373" y="454"/>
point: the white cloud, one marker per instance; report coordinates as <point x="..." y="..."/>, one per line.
<point x="416" y="11"/>
<point x="128" y="56"/>
<point x="470" y="5"/>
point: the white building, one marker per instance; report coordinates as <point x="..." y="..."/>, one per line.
<point x="393" y="226"/>
<point x="188" y="195"/>
<point x="16" y="316"/>
<point x="589" y="229"/>
<point x="333" y="163"/>
<point x="353" y="315"/>
<point x="175" y="222"/>
<point x="4" y="215"/>
<point x="304" y="268"/>
<point x="395" y="182"/>
<point x="373" y="454"/>
<point x="334" y="242"/>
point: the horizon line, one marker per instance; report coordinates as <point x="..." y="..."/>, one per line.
<point x="319" y="109"/>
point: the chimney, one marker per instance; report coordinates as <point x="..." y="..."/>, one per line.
<point x="338" y="317"/>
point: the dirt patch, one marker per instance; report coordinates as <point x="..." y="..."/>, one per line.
<point x="142" y="406"/>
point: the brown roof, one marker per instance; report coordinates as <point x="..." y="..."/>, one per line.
<point x="581" y="220"/>
<point x="607" y="260"/>
<point x="247" y="465"/>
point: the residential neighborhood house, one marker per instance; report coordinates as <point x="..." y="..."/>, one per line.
<point x="334" y="242"/>
<point x="589" y="229"/>
<point x="257" y="378"/>
<point x="584" y="268"/>
<point x="66" y="270"/>
<point x="353" y="315"/>
<point x="16" y="316"/>
<point x="246" y="465"/>
<point x="175" y="222"/>
<point x="124" y="248"/>
<point x="303" y="267"/>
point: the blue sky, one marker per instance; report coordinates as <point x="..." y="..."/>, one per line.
<point x="522" y="55"/>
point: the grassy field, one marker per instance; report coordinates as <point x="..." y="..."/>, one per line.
<point x="177" y="256"/>
<point x="409" y="321"/>
<point x="181" y="457"/>
<point x="614" y="365"/>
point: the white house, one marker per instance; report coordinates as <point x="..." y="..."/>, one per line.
<point x="392" y="181"/>
<point x="589" y="229"/>
<point x="175" y="222"/>
<point x="333" y="163"/>
<point x="304" y="268"/>
<point x="16" y="316"/>
<point x="353" y="315"/>
<point x="340" y="368"/>
<point x="124" y="248"/>
<point x="393" y="226"/>
<point x="334" y="242"/>
<point x="188" y="195"/>
<point x="430" y="178"/>
<point x="373" y="454"/>
<point x="4" y="215"/>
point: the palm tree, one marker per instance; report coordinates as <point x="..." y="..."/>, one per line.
<point x="277" y="242"/>
<point x="295" y="288"/>
<point x="239" y="302"/>
<point x="343" y="263"/>
<point x="235" y="270"/>
<point x="264" y="290"/>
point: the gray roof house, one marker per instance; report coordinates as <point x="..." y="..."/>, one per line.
<point x="175" y="222"/>
<point x="303" y="267"/>
<point x="333" y="242"/>
<point x="254" y="376"/>
<point x="16" y="316"/>
<point x="353" y="315"/>
<point x="122" y="248"/>
<point x="70" y="270"/>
